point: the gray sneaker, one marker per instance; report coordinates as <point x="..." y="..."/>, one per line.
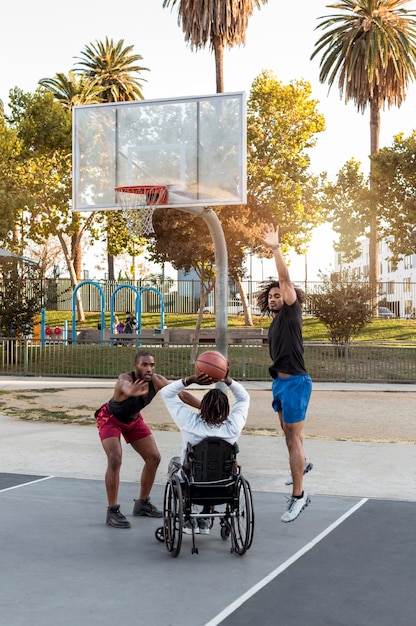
<point x="116" y="518"/>
<point x="295" y="507"/>
<point x="306" y="469"/>
<point x="146" y="508"/>
<point x="204" y="525"/>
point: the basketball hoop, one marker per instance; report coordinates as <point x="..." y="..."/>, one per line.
<point x="138" y="204"/>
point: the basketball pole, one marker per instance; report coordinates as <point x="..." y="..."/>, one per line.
<point x="221" y="263"/>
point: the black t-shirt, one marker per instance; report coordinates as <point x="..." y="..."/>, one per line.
<point x="285" y="341"/>
<point x="127" y="410"/>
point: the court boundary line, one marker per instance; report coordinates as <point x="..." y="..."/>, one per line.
<point x="30" y="482"/>
<point x="267" y="579"/>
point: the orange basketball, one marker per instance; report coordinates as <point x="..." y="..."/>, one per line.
<point x="213" y="364"/>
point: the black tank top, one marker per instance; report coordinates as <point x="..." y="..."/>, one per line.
<point x="127" y="410"/>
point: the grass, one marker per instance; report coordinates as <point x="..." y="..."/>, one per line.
<point x="378" y="330"/>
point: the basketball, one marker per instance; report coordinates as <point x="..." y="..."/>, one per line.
<point x="213" y="364"/>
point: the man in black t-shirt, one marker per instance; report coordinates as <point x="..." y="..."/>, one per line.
<point x="292" y="386"/>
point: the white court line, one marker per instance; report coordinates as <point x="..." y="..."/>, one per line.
<point x="262" y="583"/>
<point x="31" y="482"/>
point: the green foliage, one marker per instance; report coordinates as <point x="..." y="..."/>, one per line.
<point x="112" y="67"/>
<point x="395" y="186"/>
<point x="282" y="125"/>
<point x="10" y="147"/>
<point x="20" y="298"/>
<point x="347" y="202"/>
<point x="344" y="306"/>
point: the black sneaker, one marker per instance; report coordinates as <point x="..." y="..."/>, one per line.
<point x="116" y="518"/>
<point x="146" y="508"/>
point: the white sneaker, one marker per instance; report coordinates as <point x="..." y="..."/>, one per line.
<point x="306" y="469"/>
<point x="295" y="507"/>
<point x="188" y="525"/>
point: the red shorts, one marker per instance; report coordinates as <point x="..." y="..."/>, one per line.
<point x="110" y="426"/>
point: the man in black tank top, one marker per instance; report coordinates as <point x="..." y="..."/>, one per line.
<point x="122" y="416"/>
<point x="292" y="386"/>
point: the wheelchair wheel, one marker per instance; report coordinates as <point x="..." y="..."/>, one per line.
<point x="173" y="516"/>
<point x="159" y="534"/>
<point x="242" y="523"/>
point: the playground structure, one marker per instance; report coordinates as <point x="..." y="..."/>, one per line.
<point x="47" y="333"/>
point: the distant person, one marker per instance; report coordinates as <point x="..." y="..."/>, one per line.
<point x="118" y="326"/>
<point x="213" y="420"/>
<point x="131" y="323"/>
<point x="122" y="416"/>
<point x="292" y="386"/>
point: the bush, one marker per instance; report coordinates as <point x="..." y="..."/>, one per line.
<point x="344" y="306"/>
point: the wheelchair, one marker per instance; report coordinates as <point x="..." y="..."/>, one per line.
<point x="211" y="478"/>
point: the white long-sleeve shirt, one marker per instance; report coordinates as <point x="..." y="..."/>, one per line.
<point x="193" y="428"/>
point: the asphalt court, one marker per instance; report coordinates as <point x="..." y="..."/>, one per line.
<point x="345" y="561"/>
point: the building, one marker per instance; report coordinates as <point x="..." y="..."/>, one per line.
<point x="397" y="285"/>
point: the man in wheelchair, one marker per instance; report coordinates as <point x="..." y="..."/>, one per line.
<point x="214" y="419"/>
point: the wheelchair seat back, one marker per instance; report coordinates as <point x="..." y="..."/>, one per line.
<point x="212" y="470"/>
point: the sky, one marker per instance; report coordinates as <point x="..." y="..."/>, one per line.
<point x="43" y="37"/>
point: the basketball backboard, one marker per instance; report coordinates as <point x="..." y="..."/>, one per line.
<point x="194" y="146"/>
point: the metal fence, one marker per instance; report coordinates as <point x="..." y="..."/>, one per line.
<point x="182" y="296"/>
<point x="248" y="361"/>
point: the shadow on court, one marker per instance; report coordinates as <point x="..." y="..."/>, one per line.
<point x="345" y="561"/>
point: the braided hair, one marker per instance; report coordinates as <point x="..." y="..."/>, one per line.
<point x="215" y="408"/>
<point x="263" y="295"/>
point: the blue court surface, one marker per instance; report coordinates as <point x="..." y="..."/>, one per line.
<point x="343" y="562"/>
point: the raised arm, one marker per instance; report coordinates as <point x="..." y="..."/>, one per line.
<point x="270" y="237"/>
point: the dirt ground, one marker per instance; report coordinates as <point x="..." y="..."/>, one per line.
<point x="377" y="416"/>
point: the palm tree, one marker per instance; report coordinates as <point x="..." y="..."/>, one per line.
<point x="112" y="67"/>
<point x="370" y="50"/>
<point x="73" y="89"/>
<point x="219" y="22"/>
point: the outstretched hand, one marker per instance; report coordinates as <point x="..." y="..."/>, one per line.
<point x="270" y="234"/>
<point x="139" y="388"/>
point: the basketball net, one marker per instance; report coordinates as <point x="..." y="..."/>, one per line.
<point x="138" y="205"/>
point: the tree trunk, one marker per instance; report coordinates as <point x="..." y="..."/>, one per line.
<point x="110" y="266"/>
<point x="373" y="247"/>
<point x="72" y="276"/>
<point x="76" y="254"/>
<point x="243" y="296"/>
<point x="219" y="64"/>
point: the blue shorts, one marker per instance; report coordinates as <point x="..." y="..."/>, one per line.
<point x="291" y="396"/>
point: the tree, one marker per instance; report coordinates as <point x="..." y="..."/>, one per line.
<point x="73" y="89"/>
<point x="176" y="242"/>
<point x="346" y="202"/>
<point x="20" y="297"/>
<point x="113" y="69"/>
<point x="370" y="50"/>
<point x="220" y="23"/>
<point x="395" y="185"/>
<point x="344" y="306"/>
<point x="40" y="183"/>
<point x="10" y="147"/>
